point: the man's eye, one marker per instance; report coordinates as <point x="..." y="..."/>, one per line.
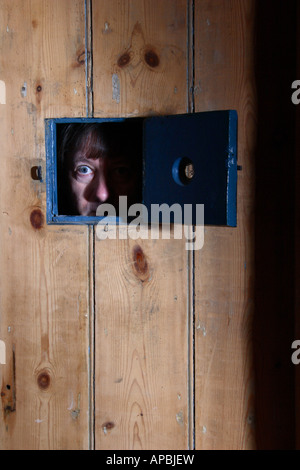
<point x="84" y="170"/>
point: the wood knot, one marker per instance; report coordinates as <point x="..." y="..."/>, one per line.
<point x="81" y="58"/>
<point x="151" y="58"/>
<point x="140" y="264"/>
<point x="43" y="380"/>
<point x="37" y="219"/>
<point x="124" y="59"/>
<point x="108" y="426"/>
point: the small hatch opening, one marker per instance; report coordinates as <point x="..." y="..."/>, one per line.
<point x="96" y="163"/>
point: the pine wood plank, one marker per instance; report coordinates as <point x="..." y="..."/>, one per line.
<point x="142" y="318"/>
<point x="141" y="345"/>
<point x="139" y="57"/>
<point x="44" y="270"/>
<point x="224" y="268"/>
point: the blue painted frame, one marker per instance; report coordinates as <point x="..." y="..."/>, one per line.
<point x="227" y="133"/>
<point x="232" y="170"/>
<point x="51" y="171"/>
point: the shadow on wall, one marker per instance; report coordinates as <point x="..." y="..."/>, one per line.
<point x="276" y="58"/>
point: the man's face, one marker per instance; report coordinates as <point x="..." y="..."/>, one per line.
<point x="94" y="181"/>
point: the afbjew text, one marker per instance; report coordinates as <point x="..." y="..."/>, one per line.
<point x="154" y="459"/>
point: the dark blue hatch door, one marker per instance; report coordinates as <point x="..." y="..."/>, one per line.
<point x="192" y="159"/>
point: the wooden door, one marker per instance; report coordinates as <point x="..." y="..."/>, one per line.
<point x="122" y="344"/>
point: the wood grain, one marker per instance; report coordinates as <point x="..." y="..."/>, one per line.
<point x="144" y="293"/>
<point x="141" y="350"/>
<point x="224" y="268"/>
<point x="139" y="57"/>
<point x="44" y="270"/>
<point x="142" y="317"/>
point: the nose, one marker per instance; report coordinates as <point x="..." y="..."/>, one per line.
<point x="101" y="189"/>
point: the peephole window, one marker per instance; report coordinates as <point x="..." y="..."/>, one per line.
<point x="97" y="163"/>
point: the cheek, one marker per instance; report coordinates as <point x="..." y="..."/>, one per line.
<point x="77" y="189"/>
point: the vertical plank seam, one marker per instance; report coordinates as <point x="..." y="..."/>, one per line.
<point x="191" y="55"/>
<point x="91" y="230"/>
<point x="91" y="258"/>
<point x="89" y="59"/>
<point x="191" y="254"/>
